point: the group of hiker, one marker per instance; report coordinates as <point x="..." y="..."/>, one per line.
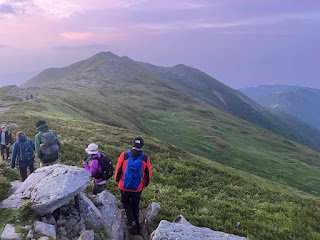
<point x="132" y="173"/>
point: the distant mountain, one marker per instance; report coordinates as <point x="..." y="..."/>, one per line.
<point x="300" y="102"/>
<point x="16" y="78"/>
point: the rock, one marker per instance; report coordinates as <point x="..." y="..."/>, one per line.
<point x="49" y="188"/>
<point x="61" y="222"/>
<point x="183" y="230"/>
<point x="9" y="233"/>
<point x="181" y="220"/>
<point x="87" y="235"/>
<point x="51" y="220"/>
<point x="14" y="186"/>
<point x="112" y="217"/>
<point x="44" y="238"/>
<point x="14" y="125"/>
<point x="63" y="231"/>
<point x="146" y="219"/>
<point x="44" y="220"/>
<point x="27" y="227"/>
<point x="30" y="235"/>
<point x="71" y="223"/>
<point x="44" y="228"/>
<point x="89" y="212"/>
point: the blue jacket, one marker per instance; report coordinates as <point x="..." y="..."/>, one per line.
<point x="16" y="153"/>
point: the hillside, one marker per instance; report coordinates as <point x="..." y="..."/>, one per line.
<point x="117" y="92"/>
<point x="207" y="193"/>
<point x="300" y="102"/>
<point x="122" y="75"/>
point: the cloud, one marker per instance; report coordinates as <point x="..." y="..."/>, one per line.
<point x="3" y="45"/>
<point x="6" y="9"/>
<point x="76" y="35"/>
<point x="98" y="47"/>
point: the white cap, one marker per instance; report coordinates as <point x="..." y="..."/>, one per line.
<point x="92" y="148"/>
<point x="3" y="126"/>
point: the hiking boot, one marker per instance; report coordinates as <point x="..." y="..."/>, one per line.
<point x="134" y="228"/>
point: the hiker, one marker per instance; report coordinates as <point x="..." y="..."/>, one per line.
<point x="23" y="152"/>
<point x="31" y="96"/>
<point x="47" y="145"/>
<point x="133" y="173"/>
<point x="5" y="141"/>
<point x="101" y="168"/>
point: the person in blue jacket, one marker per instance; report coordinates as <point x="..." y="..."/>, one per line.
<point x="23" y="152"/>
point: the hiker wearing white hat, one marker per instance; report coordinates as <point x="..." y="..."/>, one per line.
<point x="5" y="142"/>
<point x="101" y="168"/>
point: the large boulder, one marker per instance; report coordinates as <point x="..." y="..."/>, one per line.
<point x="49" y="188"/>
<point x="181" y="229"/>
<point x="146" y="219"/>
<point x="89" y="212"/>
<point x="9" y="233"/>
<point x="14" y="186"/>
<point x="112" y="217"/>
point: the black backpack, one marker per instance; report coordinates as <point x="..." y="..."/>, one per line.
<point x="107" y="169"/>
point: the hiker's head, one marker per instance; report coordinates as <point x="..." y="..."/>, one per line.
<point x="3" y="128"/>
<point x="20" y="134"/>
<point x="40" y="122"/>
<point x="92" y="149"/>
<point x="137" y="143"/>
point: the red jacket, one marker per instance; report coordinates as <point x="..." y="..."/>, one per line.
<point x="121" y="169"/>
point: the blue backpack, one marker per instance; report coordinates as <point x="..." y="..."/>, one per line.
<point x="26" y="151"/>
<point x="133" y="173"/>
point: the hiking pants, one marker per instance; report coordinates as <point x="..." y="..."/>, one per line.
<point x="23" y="172"/>
<point x="97" y="188"/>
<point x="42" y="164"/>
<point x="130" y="202"/>
<point x="4" y="147"/>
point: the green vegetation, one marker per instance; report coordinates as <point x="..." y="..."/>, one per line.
<point x="206" y="193"/>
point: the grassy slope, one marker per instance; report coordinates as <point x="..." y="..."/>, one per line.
<point x="206" y="193"/>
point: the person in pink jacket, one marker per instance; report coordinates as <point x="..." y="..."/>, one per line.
<point x="94" y="168"/>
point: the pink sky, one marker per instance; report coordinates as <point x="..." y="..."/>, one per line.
<point x="241" y="43"/>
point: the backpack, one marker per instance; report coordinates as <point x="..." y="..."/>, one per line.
<point x="50" y="143"/>
<point x="133" y="173"/>
<point x="107" y="168"/>
<point x="26" y="152"/>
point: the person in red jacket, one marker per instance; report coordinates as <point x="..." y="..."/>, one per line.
<point x="133" y="174"/>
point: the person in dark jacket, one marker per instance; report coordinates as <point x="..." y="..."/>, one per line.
<point x="5" y="142"/>
<point x="26" y="159"/>
<point x="133" y="174"/>
<point x="47" y="145"/>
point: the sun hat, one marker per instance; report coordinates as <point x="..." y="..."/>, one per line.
<point x="92" y="148"/>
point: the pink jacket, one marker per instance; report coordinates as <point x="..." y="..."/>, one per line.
<point x="94" y="167"/>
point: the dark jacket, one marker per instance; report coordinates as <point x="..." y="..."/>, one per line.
<point x="16" y="153"/>
<point x="8" y="137"/>
<point x="44" y="158"/>
<point x="122" y="165"/>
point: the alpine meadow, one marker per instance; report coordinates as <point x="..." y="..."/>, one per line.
<point x="217" y="157"/>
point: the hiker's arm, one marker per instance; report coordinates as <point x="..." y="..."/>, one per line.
<point x="147" y="173"/>
<point x="118" y="171"/>
<point x="58" y="141"/>
<point x="14" y="155"/>
<point x="37" y="146"/>
<point x="9" y="138"/>
<point x="94" y="167"/>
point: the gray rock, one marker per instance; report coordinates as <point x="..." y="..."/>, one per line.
<point x="61" y="222"/>
<point x="49" y="188"/>
<point x="112" y="217"/>
<point x="87" y="235"/>
<point x="44" y="220"/>
<point x="14" y="186"/>
<point x="27" y="227"/>
<point x="63" y="231"/>
<point x="9" y="233"/>
<point x="71" y="223"/>
<point x="14" y="125"/>
<point x="44" y="228"/>
<point x="181" y="220"/>
<point x="89" y="212"/>
<point x="30" y="235"/>
<point x="146" y="217"/>
<point x="44" y="238"/>
<point x="186" y="231"/>
<point x="51" y="220"/>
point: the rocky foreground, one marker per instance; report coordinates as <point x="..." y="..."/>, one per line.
<point x="50" y="191"/>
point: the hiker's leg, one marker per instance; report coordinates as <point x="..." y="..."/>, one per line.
<point x="100" y="188"/>
<point x="2" y="151"/>
<point x="23" y="173"/>
<point x="125" y="199"/>
<point x="31" y="168"/>
<point x="8" y="152"/>
<point x="135" y="200"/>
<point x="94" y="189"/>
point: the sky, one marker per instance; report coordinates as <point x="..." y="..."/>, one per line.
<point x="241" y="43"/>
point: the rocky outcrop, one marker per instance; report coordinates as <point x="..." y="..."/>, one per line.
<point x="146" y="218"/>
<point x="181" y="229"/>
<point x="49" y="188"/>
<point x="45" y="229"/>
<point x="9" y="233"/>
<point x="89" y="212"/>
<point x="112" y="217"/>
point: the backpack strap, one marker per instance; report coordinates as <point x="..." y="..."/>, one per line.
<point x="129" y="154"/>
